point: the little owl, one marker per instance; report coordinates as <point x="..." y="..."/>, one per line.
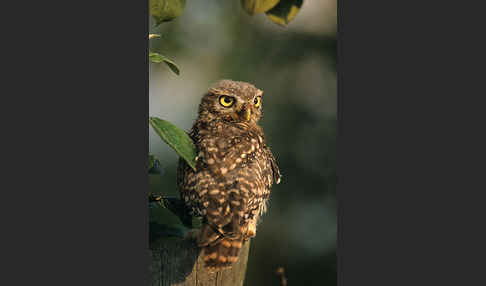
<point x="234" y="171"/>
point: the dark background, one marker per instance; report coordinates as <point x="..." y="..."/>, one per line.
<point x="296" y="68"/>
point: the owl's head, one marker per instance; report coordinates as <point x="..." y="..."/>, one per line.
<point x="232" y="101"/>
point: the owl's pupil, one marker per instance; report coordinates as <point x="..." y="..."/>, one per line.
<point x="227" y="100"/>
<point x="255" y="100"/>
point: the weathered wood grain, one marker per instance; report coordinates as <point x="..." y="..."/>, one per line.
<point x="176" y="262"/>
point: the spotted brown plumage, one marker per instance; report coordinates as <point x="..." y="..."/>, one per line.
<point x="234" y="170"/>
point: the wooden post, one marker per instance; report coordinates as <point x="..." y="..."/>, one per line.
<point x="176" y="262"/>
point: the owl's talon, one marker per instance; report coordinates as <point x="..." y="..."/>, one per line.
<point x="251" y="231"/>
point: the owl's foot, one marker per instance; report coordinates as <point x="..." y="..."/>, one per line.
<point x="251" y="230"/>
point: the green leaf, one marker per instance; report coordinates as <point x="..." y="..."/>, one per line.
<point x="175" y="138"/>
<point x="163" y="223"/>
<point x="158" y="58"/>
<point x="175" y="206"/>
<point x="258" y="6"/>
<point x="284" y="12"/>
<point x="166" y="10"/>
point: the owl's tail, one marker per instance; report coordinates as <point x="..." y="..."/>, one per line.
<point x="219" y="252"/>
<point x="222" y="254"/>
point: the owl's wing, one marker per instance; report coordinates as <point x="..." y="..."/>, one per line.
<point x="273" y="164"/>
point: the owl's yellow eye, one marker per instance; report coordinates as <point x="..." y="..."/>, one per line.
<point x="226" y="101"/>
<point x="257" y="101"/>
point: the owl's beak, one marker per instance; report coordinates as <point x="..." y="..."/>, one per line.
<point x="247" y="113"/>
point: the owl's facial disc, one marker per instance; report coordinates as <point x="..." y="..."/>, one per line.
<point x="234" y="107"/>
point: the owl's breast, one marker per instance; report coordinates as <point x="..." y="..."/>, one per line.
<point x="232" y="166"/>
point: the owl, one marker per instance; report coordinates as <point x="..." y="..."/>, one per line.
<point x="235" y="170"/>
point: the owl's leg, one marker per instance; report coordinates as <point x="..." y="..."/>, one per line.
<point x="232" y="230"/>
<point x="251" y="229"/>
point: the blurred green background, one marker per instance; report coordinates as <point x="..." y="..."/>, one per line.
<point x="296" y="68"/>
